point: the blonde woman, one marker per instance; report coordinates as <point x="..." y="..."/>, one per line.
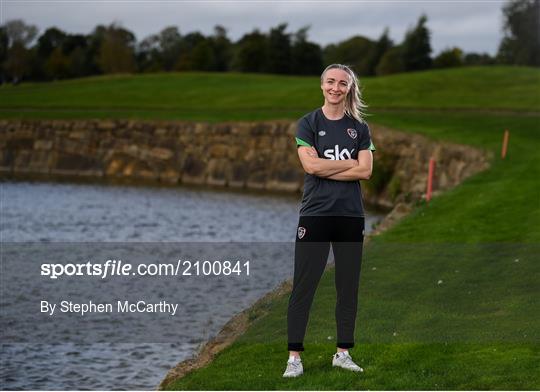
<point x="335" y="149"/>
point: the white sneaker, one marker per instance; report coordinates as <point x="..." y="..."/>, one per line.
<point x="344" y="360"/>
<point x="294" y="367"/>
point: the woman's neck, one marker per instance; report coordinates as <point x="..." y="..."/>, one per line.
<point x="333" y="112"/>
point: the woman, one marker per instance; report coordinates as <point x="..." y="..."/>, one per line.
<point x="335" y="149"/>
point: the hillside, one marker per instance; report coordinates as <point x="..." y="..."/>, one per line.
<point x="250" y="97"/>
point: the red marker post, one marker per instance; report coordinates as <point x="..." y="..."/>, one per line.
<point x="505" y="143"/>
<point x="430" y="178"/>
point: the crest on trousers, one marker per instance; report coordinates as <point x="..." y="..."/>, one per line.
<point x="352" y="132"/>
<point x="301" y="232"/>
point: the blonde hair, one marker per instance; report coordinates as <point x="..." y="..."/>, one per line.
<point x="354" y="106"/>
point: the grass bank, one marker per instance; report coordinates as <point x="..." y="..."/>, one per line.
<point x="449" y="298"/>
<point x="250" y="97"/>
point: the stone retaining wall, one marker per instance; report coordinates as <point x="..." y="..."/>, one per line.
<point x="258" y="155"/>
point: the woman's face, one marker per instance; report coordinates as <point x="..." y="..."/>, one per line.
<point x="335" y="86"/>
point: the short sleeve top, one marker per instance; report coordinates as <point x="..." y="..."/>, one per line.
<point x="337" y="140"/>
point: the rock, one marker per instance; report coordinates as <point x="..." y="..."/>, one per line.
<point x="106" y="125"/>
<point x="78" y="134"/>
<point x="169" y="176"/>
<point x="219" y="171"/>
<point x="161" y="153"/>
<point x="218" y="151"/>
<point x="43" y="145"/>
<point x="114" y="167"/>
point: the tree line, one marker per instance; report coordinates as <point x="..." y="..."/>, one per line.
<point x="111" y="49"/>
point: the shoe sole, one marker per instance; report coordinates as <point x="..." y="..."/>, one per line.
<point x="350" y="370"/>
<point x="292" y="375"/>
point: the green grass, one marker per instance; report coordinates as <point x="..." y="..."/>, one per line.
<point x="484" y="88"/>
<point x="449" y="298"/>
<point x="189" y="96"/>
<point x="250" y="97"/>
<point x="500" y="205"/>
<point x="389" y="367"/>
<point x="476" y="329"/>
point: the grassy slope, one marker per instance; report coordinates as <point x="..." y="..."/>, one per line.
<point x="218" y="97"/>
<point x="478" y="329"/>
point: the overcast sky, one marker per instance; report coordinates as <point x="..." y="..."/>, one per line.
<point x="474" y="26"/>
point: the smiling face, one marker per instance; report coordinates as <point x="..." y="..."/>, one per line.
<point x="336" y="84"/>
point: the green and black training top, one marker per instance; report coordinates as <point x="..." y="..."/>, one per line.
<point x="338" y="140"/>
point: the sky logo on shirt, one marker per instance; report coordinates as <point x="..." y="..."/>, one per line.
<point x="336" y="154"/>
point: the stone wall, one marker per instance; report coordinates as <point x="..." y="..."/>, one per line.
<point x="258" y="155"/>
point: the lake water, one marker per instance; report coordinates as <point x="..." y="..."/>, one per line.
<point x="34" y="214"/>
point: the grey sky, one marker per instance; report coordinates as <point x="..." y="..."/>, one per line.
<point x="470" y="25"/>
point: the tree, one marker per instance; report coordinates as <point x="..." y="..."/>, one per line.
<point x="202" y="56"/>
<point x="251" y="52"/>
<point x="170" y="47"/>
<point x="417" y="47"/>
<point x="190" y="42"/>
<point x="77" y="62"/>
<point x="51" y="39"/>
<point x="75" y="46"/>
<point x="306" y="57"/>
<point x="279" y="50"/>
<point x="148" y="55"/>
<point x="19" y="58"/>
<point x="57" y="65"/>
<point x="448" y="58"/>
<point x="354" y="51"/>
<point x="116" y="53"/>
<point x="222" y="49"/>
<point x="391" y="62"/>
<point x="18" y="62"/>
<point x="383" y="44"/>
<point x="74" y="41"/>
<point x="61" y="55"/>
<point x="18" y="31"/>
<point x="478" y="59"/>
<point x="521" y="42"/>
<point x="4" y="46"/>
<point x="95" y="40"/>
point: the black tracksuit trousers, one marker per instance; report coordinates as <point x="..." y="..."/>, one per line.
<point x="313" y="239"/>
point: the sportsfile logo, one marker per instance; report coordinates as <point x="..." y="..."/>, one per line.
<point x="336" y="154"/>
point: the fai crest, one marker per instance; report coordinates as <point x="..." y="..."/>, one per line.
<point x="352" y="132"/>
<point x="301" y="232"/>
